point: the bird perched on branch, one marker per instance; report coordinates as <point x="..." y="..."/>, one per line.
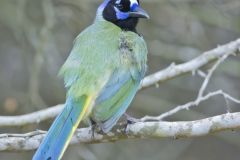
<point x="102" y="74"/>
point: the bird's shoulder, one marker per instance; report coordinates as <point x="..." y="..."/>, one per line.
<point x="133" y="53"/>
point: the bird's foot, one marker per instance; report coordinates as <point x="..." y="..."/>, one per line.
<point x="131" y="120"/>
<point x="94" y="127"/>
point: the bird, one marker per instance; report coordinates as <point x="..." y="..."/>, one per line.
<point x="102" y="74"/>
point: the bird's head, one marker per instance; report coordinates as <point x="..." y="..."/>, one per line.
<point x="123" y="13"/>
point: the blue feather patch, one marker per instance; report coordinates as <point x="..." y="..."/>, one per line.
<point x="121" y="15"/>
<point x="134" y="6"/>
<point x="116" y="81"/>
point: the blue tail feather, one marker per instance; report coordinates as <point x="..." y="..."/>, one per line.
<point x="58" y="135"/>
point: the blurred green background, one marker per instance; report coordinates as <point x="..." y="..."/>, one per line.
<point x="36" y="37"/>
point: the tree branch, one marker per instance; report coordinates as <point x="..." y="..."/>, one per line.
<point x="161" y="76"/>
<point x="188" y="105"/>
<point x="35" y="117"/>
<point x="193" y="65"/>
<point x="229" y="121"/>
<point x="200" y="98"/>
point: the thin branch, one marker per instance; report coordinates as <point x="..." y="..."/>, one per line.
<point x="200" y="98"/>
<point x="188" y="105"/>
<point x="229" y="121"/>
<point x="209" y="76"/>
<point x="36" y="117"/>
<point x="161" y="76"/>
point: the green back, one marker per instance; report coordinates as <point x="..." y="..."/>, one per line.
<point x="97" y="54"/>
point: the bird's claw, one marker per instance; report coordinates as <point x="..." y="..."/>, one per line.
<point x="131" y="120"/>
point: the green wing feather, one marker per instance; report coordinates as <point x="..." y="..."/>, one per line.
<point x="109" y="111"/>
<point x="122" y="86"/>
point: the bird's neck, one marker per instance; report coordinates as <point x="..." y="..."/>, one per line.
<point x="128" y="25"/>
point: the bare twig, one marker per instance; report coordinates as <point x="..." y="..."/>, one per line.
<point x="229" y="121"/>
<point x="209" y="75"/>
<point x="200" y="98"/>
<point x="31" y="118"/>
<point x="189" y="105"/>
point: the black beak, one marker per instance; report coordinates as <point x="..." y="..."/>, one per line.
<point x="139" y="13"/>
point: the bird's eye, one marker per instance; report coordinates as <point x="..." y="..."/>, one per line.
<point x="119" y="6"/>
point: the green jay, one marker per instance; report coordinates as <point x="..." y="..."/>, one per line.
<point x="102" y="74"/>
